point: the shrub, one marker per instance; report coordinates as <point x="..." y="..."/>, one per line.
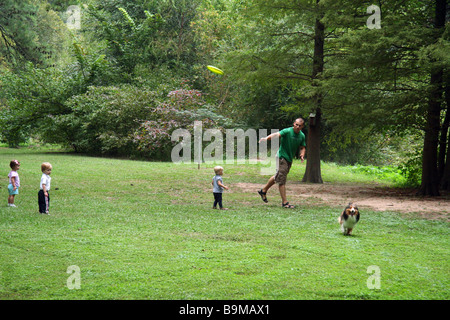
<point x="412" y="171"/>
<point x="128" y="121"/>
<point x="102" y="120"/>
<point x="153" y="137"/>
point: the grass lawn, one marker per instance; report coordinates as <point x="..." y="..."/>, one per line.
<point x="146" y="230"/>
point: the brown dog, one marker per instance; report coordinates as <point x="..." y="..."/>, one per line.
<point x="349" y="218"/>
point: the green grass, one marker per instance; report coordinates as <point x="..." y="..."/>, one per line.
<point x="143" y="230"/>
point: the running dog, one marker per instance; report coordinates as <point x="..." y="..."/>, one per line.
<point x="349" y="218"/>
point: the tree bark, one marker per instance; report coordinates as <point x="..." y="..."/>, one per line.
<point x="443" y="137"/>
<point x="313" y="172"/>
<point x="430" y="175"/>
<point x="445" y="180"/>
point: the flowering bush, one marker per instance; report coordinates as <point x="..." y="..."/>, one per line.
<point x="153" y="137"/>
<point x="185" y="99"/>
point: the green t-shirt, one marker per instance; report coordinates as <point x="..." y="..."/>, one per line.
<point x="289" y="143"/>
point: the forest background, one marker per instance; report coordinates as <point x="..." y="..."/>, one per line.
<point x="117" y="77"/>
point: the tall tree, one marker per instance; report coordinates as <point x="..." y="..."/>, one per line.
<point x="391" y="77"/>
<point x="445" y="159"/>
<point x="430" y="176"/>
<point x="313" y="172"/>
<point x="287" y="49"/>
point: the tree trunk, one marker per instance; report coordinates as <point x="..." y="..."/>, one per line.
<point x="313" y="173"/>
<point x="430" y="176"/>
<point x="445" y="180"/>
<point x="445" y="184"/>
<point x="443" y="138"/>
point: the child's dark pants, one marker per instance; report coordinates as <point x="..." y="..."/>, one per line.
<point x="217" y="199"/>
<point x="44" y="202"/>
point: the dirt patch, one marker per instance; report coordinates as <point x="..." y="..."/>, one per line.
<point x="371" y="197"/>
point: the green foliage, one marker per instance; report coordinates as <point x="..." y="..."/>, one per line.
<point x="128" y="38"/>
<point x="270" y="61"/>
<point x="102" y="120"/>
<point x="368" y="147"/>
<point x="411" y="169"/>
<point x="33" y="99"/>
<point x="63" y="5"/>
<point x="390" y="87"/>
<point x="13" y="132"/>
<point x="22" y="97"/>
<point x="181" y="108"/>
<point x="17" y="23"/>
<point x="127" y="120"/>
<point x="388" y="173"/>
<point x="150" y="33"/>
<point x="30" y="31"/>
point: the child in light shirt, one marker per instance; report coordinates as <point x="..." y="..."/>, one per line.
<point x="43" y="195"/>
<point x="14" y="182"/>
<point x="218" y="187"/>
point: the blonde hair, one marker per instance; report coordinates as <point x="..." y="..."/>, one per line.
<point x="217" y="169"/>
<point x="45" y="166"/>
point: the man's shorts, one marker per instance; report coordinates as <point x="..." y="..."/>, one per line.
<point x="283" y="169"/>
<point x="11" y="190"/>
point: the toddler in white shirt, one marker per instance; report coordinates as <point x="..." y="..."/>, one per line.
<point x="43" y="195"/>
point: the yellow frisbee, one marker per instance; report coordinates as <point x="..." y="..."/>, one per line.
<point x="214" y="69"/>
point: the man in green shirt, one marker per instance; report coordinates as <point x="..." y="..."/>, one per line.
<point x="290" y="140"/>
